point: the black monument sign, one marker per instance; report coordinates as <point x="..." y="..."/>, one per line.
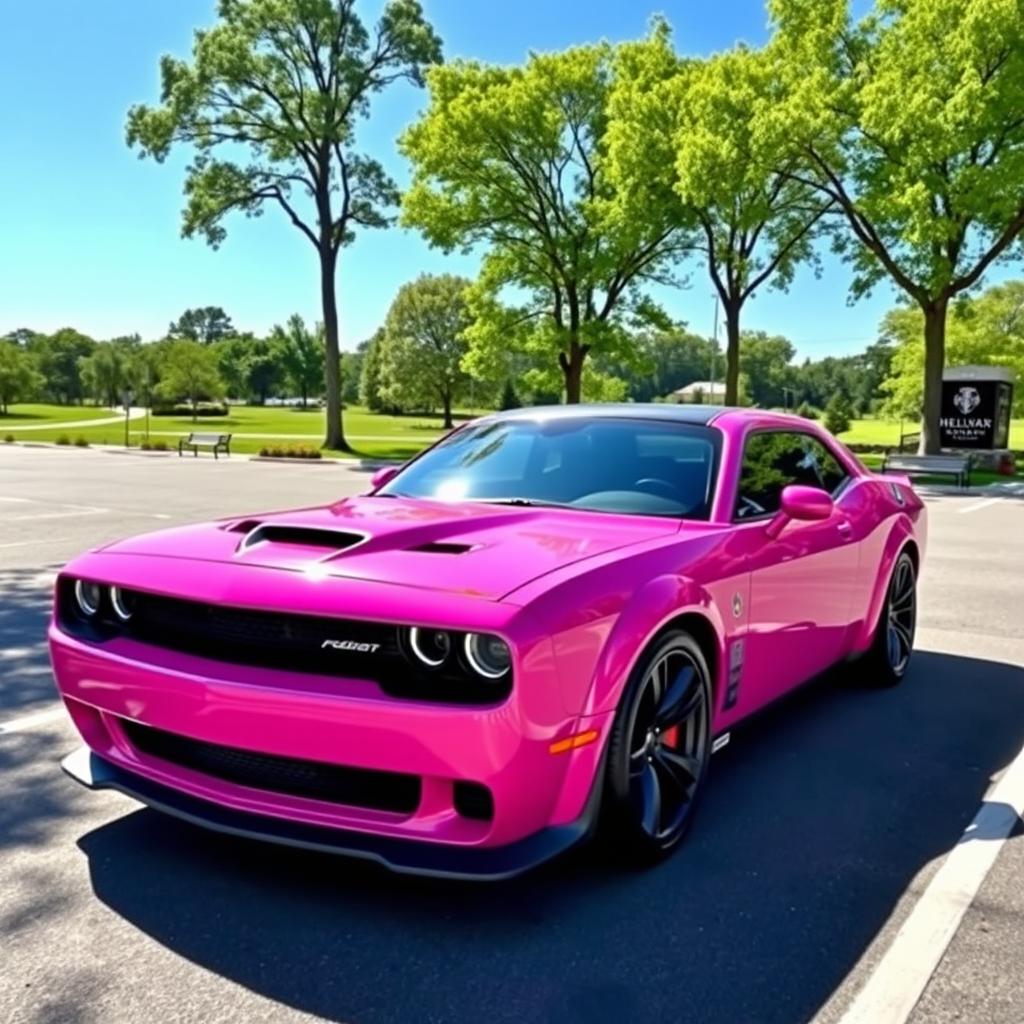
<point x="975" y="413"/>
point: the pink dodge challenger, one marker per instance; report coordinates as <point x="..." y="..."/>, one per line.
<point x="539" y="629"/>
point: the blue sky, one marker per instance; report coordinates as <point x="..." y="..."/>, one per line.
<point x="90" y="235"/>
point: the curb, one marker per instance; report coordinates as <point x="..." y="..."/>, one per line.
<point x="295" y="462"/>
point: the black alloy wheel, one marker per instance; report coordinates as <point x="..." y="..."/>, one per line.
<point x="659" y="749"/>
<point x="893" y="644"/>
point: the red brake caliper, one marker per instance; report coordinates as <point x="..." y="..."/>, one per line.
<point x="670" y="737"/>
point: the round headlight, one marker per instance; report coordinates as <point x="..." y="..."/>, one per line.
<point x="431" y="646"/>
<point x="488" y="655"/>
<point x="88" y="596"/>
<point x="123" y="603"/>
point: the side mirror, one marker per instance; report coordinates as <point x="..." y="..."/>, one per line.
<point x="804" y="504"/>
<point x="383" y="475"/>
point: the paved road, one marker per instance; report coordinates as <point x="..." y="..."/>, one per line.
<point x="825" y="822"/>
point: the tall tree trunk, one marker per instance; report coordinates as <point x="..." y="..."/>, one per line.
<point x="934" y="363"/>
<point x="732" y="354"/>
<point x="335" y="436"/>
<point x="447" y="400"/>
<point x="572" y="369"/>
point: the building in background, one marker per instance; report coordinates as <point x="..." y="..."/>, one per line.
<point x="701" y="392"/>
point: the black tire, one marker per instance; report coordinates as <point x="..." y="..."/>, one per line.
<point x="893" y="642"/>
<point x="658" y="751"/>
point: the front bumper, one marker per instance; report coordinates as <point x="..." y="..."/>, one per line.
<point x="403" y="856"/>
<point x="541" y="801"/>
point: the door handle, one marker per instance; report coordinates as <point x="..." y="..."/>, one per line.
<point x="845" y="529"/>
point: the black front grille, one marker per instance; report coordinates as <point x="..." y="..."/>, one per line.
<point x="316" y="780"/>
<point x="316" y="644"/>
<point x="267" y="639"/>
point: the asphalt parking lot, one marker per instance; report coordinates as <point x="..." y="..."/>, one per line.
<point x="825" y="823"/>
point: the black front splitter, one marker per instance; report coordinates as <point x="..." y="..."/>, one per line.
<point x="401" y="855"/>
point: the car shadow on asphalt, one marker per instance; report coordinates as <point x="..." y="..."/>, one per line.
<point x="817" y="817"/>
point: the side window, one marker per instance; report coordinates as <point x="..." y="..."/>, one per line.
<point x="830" y="469"/>
<point x="772" y="460"/>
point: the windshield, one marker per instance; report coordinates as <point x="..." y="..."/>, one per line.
<point x="634" y="466"/>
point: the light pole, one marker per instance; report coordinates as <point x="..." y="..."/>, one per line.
<point x="714" y="349"/>
<point x="128" y="396"/>
<point x="149" y="396"/>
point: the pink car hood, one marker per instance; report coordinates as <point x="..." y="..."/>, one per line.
<point x="473" y="549"/>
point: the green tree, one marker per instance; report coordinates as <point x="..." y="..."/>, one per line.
<point x="509" y="399"/>
<point x="301" y="352"/>
<point x="21" y="336"/>
<point x="767" y="362"/>
<point x="910" y="120"/>
<point x="269" y="106"/>
<point x="233" y="355"/>
<point x="188" y="372"/>
<point x="424" y="344"/>
<point x="837" y="414"/>
<point x="370" y="377"/>
<point x="264" y="369"/>
<point x="58" y="359"/>
<point x="18" y="378"/>
<point x="206" y="324"/>
<point x="110" y="370"/>
<point x="351" y="375"/>
<point x="662" y="361"/>
<point x="691" y="132"/>
<point x="986" y="330"/>
<point x="513" y="159"/>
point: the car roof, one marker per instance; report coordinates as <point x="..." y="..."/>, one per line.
<point x="677" y="413"/>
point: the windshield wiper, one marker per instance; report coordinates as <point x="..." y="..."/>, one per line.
<point x="524" y="502"/>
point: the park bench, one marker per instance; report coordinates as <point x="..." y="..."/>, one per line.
<point x="958" y="466"/>
<point x="909" y="442"/>
<point x="214" y="442"/>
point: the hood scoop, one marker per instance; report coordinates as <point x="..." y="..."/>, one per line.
<point x="307" y="537"/>
<point x="443" y="547"/>
<point x="241" y="525"/>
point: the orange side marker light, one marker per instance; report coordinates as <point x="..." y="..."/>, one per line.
<point x="581" y="739"/>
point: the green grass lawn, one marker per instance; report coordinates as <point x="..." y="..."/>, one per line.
<point x="32" y="415"/>
<point x="887" y="432"/>
<point x="372" y="434"/>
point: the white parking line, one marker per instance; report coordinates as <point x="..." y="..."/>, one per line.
<point x="27" y="722"/>
<point x="893" y="989"/>
<point x="80" y="510"/>
<point x="979" y="505"/>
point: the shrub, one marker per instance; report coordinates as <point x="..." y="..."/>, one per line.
<point x="81" y="442"/>
<point x="8" y="439"/>
<point x="837" y="414"/>
<point x="509" y="398"/>
<point x="298" y="451"/>
<point x="205" y="409"/>
<point x="63" y="439"/>
<point x="807" y="410"/>
<point x="160" y="446"/>
<point x="145" y="446"/>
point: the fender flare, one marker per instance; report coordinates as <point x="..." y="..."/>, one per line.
<point x="900" y="536"/>
<point x="659" y="602"/>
